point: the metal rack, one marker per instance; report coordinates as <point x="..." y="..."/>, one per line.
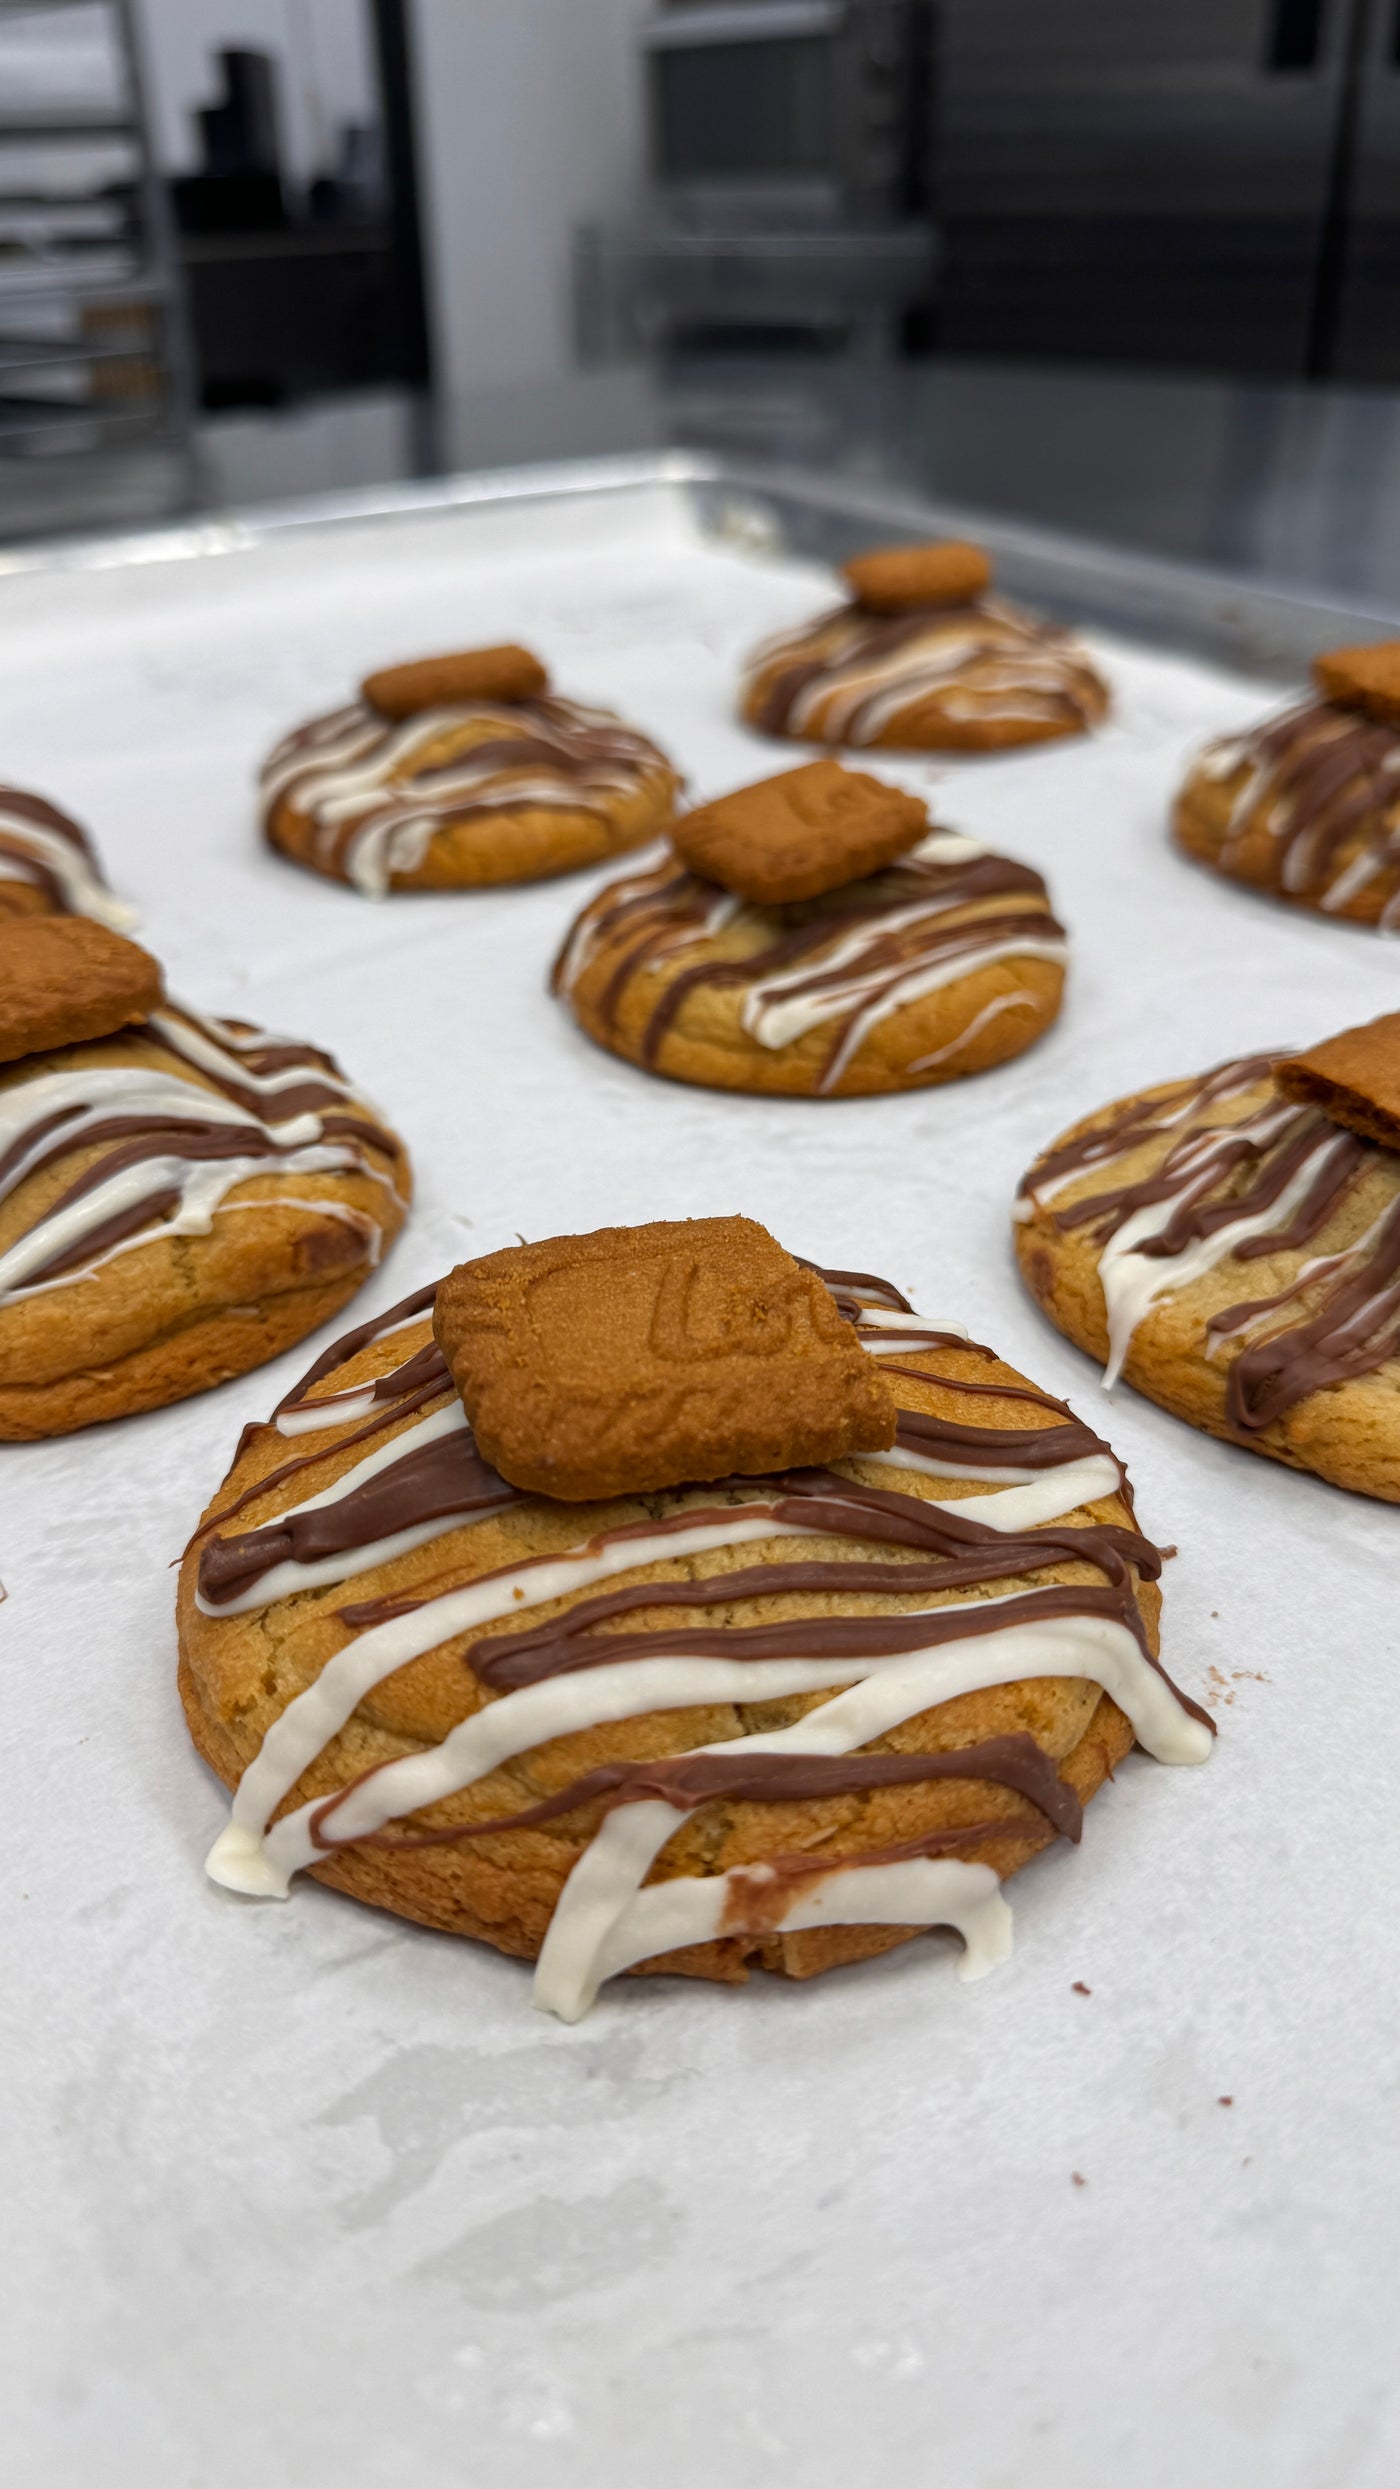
<point x="95" y="394"/>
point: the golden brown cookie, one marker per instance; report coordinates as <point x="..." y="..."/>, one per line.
<point x="461" y="772"/>
<point x="180" y="1199"/>
<point x="64" y="978"/>
<point x="800" y="834"/>
<point x="48" y="867"/>
<point x="786" y="1721"/>
<point x="1236" y="1256"/>
<point x="900" y="578"/>
<point x="636" y="1357"/>
<point x="944" y="963"/>
<point x="1306" y="806"/>
<point x="922" y="660"/>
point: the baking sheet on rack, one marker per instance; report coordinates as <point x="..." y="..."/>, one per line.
<point x="299" y="2193"/>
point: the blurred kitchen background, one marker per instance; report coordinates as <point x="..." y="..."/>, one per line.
<point x="1131" y="266"/>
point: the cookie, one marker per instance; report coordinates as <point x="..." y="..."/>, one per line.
<point x="1306" y="806"/>
<point x="460" y="772"/>
<point x="785" y="1721"/>
<point x="64" y="978"/>
<point x="48" y="866"/>
<point x="801" y="834"/>
<point x="947" y="961"/>
<point x="181" y="1198"/>
<point x="638" y="1357"/>
<point x="1234" y="1252"/>
<point x="922" y="660"/>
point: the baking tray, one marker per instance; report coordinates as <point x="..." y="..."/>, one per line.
<point x="303" y="2194"/>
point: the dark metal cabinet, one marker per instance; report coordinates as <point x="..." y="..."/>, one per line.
<point x="1143" y="180"/>
<point x="1360" y="321"/>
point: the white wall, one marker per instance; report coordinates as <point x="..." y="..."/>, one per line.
<point x="529" y="122"/>
<point x="324" y="49"/>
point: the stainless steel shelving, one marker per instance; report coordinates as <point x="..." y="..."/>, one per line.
<point x="95" y="395"/>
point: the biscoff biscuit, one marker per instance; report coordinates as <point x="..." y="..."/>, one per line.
<point x="505" y="673"/>
<point x="795" y="836"/>
<point x="899" y="578"/>
<point x="67" y="979"/>
<point x="1354" y="1078"/>
<point x="1362" y="678"/>
<point x="637" y="1358"/>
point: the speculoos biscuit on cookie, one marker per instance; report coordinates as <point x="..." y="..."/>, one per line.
<point x="181" y="1198"/>
<point x="784" y="1719"/>
<point x="48" y="866"/>
<point x="799" y="835"/>
<point x="1230" y="1244"/>
<point x="942" y="960"/>
<point x="614" y="1363"/>
<point x="1306" y="805"/>
<point x="459" y="772"/>
<point x="903" y="578"/>
<point x="64" y="978"/>
<point x="923" y="658"/>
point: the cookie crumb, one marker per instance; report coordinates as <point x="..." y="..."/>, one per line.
<point x="1080" y="1989"/>
<point x="1226" y="2100"/>
<point x="1079" y="2182"/>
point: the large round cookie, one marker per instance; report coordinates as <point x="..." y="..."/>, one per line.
<point x="48" y="866"/>
<point x="1236" y="1256"/>
<point x="181" y="1198"/>
<point x="432" y="781"/>
<point x="785" y="1720"/>
<point x="944" y="963"/>
<point x="925" y="659"/>
<point x="1306" y="805"/>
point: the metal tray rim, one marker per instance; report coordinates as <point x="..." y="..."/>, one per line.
<point x="1261" y="624"/>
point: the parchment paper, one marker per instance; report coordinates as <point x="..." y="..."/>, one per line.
<point x="299" y="2194"/>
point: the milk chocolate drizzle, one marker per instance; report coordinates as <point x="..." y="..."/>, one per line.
<point x="849" y="956"/>
<point x="1213" y="1177"/>
<point x="690" y="1780"/>
<point x="1319" y="796"/>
